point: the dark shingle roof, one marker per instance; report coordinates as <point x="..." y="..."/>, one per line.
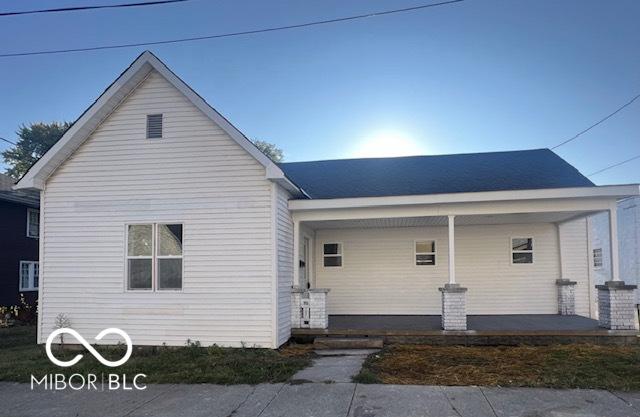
<point x="413" y="175"/>
<point x="7" y="193"/>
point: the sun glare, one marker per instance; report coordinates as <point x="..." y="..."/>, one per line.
<point x="385" y="144"/>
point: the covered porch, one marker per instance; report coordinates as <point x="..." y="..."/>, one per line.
<point x="514" y="262"/>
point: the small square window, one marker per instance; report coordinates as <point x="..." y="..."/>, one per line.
<point x="425" y="252"/>
<point x="154" y="126"/>
<point x="332" y="255"/>
<point x="522" y="250"/>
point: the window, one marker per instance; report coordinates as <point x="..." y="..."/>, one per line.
<point x="425" y="252"/>
<point x="597" y="258"/>
<point x="154" y="256"/>
<point x="522" y="250"/>
<point x="29" y="275"/>
<point x="332" y="254"/>
<point x="154" y="126"/>
<point x="33" y="223"/>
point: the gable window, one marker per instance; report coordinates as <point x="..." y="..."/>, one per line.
<point x="522" y="250"/>
<point x="425" y="252"/>
<point x="154" y="126"/>
<point x="33" y="223"/>
<point x="29" y="275"/>
<point x="154" y="256"/>
<point x="597" y="258"/>
<point x="332" y="254"/>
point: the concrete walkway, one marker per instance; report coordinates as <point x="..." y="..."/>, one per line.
<point x="317" y="400"/>
<point x="334" y="366"/>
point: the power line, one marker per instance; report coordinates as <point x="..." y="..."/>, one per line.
<point x="82" y="8"/>
<point x="232" y="34"/>
<point x="8" y="141"/>
<point x="598" y="122"/>
<point x="614" y="165"/>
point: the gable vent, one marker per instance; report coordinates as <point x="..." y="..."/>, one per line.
<point x="154" y="126"/>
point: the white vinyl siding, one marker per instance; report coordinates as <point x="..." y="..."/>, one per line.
<point x="284" y="237"/>
<point x="197" y="176"/>
<point x="381" y="276"/>
<point x="574" y="253"/>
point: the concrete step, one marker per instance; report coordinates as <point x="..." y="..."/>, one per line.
<point x="347" y="343"/>
<point x="345" y="352"/>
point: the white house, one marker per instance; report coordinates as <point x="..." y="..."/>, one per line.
<point x="628" y="216"/>
<point x="159" y="217"/>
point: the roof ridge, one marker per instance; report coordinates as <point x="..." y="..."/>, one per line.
<point x="418" y="156"/>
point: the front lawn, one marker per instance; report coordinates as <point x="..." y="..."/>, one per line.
<point x="20" y="357"/>
<point x="557" y="366"/>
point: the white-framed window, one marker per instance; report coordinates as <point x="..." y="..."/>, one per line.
<point x="33" y="223"/>
<point x="332" y="255"/>
<point x="154" y="256"/>
<point x="597" y="258"/>
<point x="425" y="252"/>
<point x="521" y="250"/>
<point x="29" y="275"/>
<point x="154" y="126"/>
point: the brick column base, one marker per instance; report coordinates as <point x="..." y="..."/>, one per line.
<point x="309" y="308"/>
<point x="566" y="297"/>
<point x="617" y="306"/>
<point x="454" y="307"/>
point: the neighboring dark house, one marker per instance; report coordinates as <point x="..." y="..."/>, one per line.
<point x="19" y="233"/>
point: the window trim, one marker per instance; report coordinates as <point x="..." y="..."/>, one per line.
<point x="154" y="278"/>
<point x="532" y="251"/>
<point x="29" y="211"/>
<point x="416" y="253"/>
<point x="593" y="253"/>
<point x="31" y="276"/>
<point x="340" y="254"/>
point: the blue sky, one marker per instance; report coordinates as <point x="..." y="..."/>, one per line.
<point x="482" y="75"/>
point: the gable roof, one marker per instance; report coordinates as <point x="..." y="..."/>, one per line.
<point x="7" y="193"/>
<point x="438" y="174"/>
<point x="111" y="98"/>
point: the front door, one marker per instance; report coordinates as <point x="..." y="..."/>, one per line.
<point x="304" y="261"/>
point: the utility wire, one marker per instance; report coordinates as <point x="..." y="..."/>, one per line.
<point x="82" y="8"/>
<point x="598" y="122"/>
<point x="8" y="141"/>
<point x="241" y="33"/>
<point x="614" y="165"/>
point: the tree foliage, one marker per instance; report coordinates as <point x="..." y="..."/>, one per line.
<point x="271" y="150"/>
<point x="34" y="140"/>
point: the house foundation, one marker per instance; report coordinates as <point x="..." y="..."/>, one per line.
<point x="566" y="297"/>
<point x="616" y="306"/>
<point x="454" y="307"/>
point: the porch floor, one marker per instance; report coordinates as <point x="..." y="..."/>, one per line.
<point x="509" y="323"/>
<point x="510" y="329"/>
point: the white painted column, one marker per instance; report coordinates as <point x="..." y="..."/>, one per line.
<point x="613" y="238"/>
<point x="452" y="251"/>
<point x="296" y="253"/>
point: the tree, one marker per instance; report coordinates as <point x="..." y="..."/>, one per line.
<point x="272" y="151"/>
<point x="34" y="140"/>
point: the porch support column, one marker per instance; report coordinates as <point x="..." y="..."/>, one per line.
<point x="296" y="253"/>
<point x="616" y="300"/>
<point x="454" y="303"/>
<point x="298" y="318"/>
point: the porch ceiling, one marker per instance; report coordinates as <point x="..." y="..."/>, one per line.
<point x="518" y="218"/>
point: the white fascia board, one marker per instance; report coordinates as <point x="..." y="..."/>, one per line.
<point x="98" y="111"/>
<point x="606" y="191"/>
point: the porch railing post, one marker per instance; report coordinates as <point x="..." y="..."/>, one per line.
<point x="452" y="250"/>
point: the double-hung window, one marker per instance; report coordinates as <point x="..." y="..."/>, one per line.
<point x="29" y="275"/>
<point x="33" y="223"/>
<point x="522" y="250"/>
<point x="154" y="256"/>
<point x="425" y="252"/>
<point x="332" y="255"/>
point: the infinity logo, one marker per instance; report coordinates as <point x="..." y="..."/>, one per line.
<point x="90" y="348"/>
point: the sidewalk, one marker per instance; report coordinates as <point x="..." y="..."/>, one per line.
<point x="317" y="400"/>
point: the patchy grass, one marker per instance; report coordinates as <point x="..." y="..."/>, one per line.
<point x="557" y="366"/>
<point x="20" y="357"/>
